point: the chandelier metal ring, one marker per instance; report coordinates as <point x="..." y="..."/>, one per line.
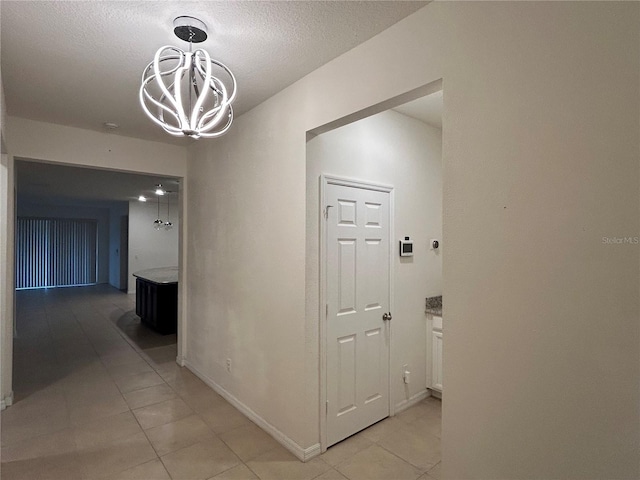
<point x="184" y="93"/>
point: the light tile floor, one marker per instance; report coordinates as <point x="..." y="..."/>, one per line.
<point x="97" y="395"/>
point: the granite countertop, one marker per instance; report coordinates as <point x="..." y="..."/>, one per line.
<point x="434" y="305"/>
<point x="159" y="275"/>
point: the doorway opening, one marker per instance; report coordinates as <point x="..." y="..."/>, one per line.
<point x="119" y="241"/>
<point x="397" y="143"/>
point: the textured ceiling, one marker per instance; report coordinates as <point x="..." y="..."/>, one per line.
<point x="79" y="63"/>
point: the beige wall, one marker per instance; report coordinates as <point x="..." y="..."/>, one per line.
<point x="6" y="258"/>
<point x="245" y="257"/>
<point x="7" y="283"/>
<point x="390" y="149"/>
<point x="49" y="142"/>
<point x="540" y="154"/>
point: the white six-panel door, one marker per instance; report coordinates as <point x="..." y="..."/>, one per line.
<point x="358" y="295"/>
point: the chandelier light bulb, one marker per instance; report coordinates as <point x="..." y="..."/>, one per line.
<point x="159" y="190"/>
<point x="184" y="92"/>
<point x="142" y="198"/>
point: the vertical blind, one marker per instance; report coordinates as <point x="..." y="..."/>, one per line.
<point x="55" y="252"/>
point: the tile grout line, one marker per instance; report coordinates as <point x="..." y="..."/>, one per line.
<point x="151" y="364"/>
<point x="183" y="389"/>
<point x="110" y="376"/>
<point x="105" y="320"/>
<point x="134" y="347"/>
<point x="131" y="410"/>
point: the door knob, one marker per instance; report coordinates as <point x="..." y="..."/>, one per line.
<point x="386" y="317"/>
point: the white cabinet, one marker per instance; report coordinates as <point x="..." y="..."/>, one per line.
<point x="436" y="362"/>
<point x="436" y="354"/>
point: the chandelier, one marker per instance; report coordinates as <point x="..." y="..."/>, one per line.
<point x="183" y="91"/>
<point x="158" y="223"/>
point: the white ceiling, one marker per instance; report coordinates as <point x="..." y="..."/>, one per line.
<point x="426" y="109"/>
<point x="80" y="63"/>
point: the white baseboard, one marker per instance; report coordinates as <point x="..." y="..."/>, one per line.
<point x="181" y="361"/>
<point x="6" y="401"/>
<point x="411" y="401"/>
<point x="436" y="393"/>
<point x="303" y="454"/>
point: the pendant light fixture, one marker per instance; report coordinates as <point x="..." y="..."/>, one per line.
<point x="168" y="225"/>
<point x="158" y="223"/>
<point x="183" y="91"/>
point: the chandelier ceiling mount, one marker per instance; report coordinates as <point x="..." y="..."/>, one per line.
<point x="190" y="29"/>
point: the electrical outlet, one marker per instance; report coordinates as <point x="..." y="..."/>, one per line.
<point x="229" y="365"/>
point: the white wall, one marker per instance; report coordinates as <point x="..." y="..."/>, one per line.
<point x="6" y="258"/>
<point x="540" y="161"/>
<point x="390" y="149"/>
<point x="74" y="146"/>
<point x="27" y="208"/>
<point x="150" y="248"/>
<point x="245" y="256"/>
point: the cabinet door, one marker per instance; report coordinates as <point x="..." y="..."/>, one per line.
<point x="436" y="369"/>
<point x="139" y="298"/>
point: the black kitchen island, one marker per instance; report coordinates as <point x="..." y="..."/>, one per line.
<point x="157" y="298"/>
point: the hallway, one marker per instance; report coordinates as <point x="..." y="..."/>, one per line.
<point x="99" y="396"/>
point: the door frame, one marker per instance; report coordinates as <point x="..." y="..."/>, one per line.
<point x="325" y="180"/>
<point x="8" y="321"/>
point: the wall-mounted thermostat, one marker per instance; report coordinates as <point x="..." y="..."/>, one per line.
<point x="406" y="247"/>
